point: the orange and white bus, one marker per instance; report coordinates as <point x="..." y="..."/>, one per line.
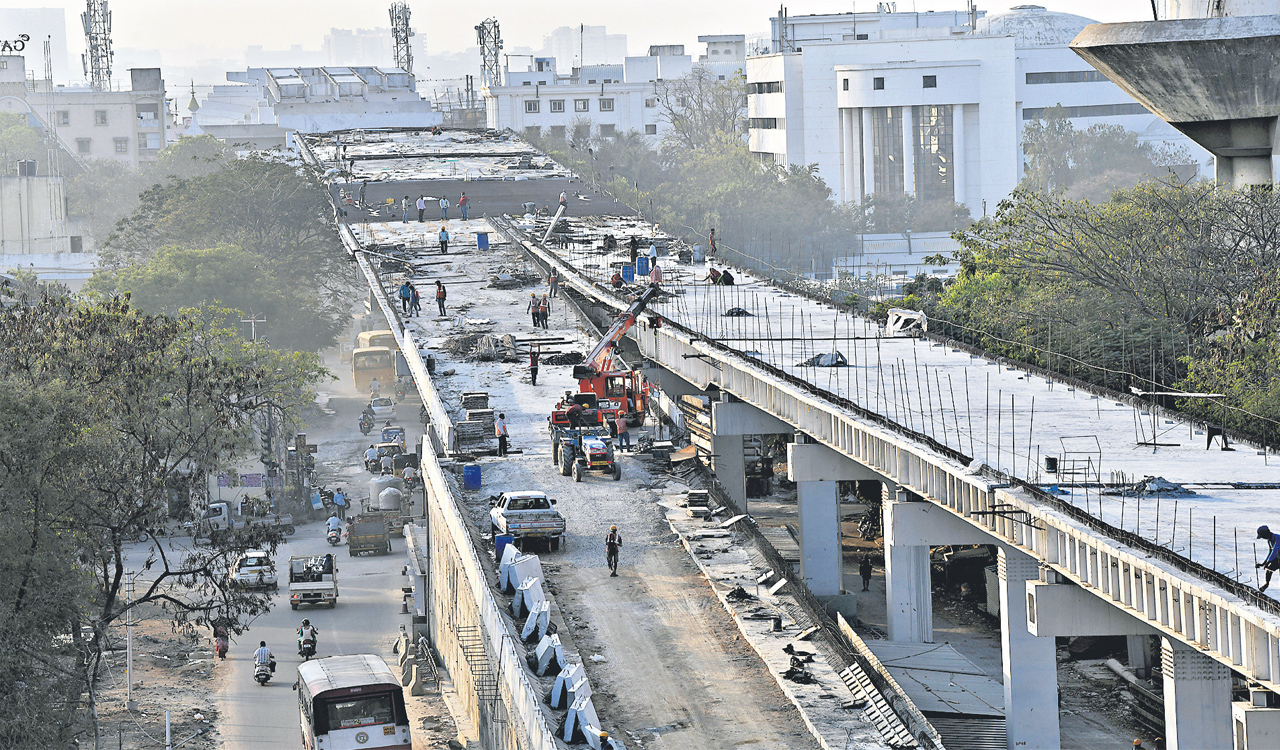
<point x="351" y="703"/>
<point x="373" y="362"/>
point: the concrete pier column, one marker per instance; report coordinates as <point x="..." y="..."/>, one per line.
<point x="1030" y="662"/>
<point x="1197" y="698"/>
<point x="817" y="471"/>
<point x="1140" y="655"/>
<point x="910" y="529"/>
<point x="906" y="572"/>
<point x="821" y="561"/>
<point x="730" y="420"/>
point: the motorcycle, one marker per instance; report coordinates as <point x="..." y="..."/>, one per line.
<point x="307" y="649"/>
<point x="262" y="672"/>
<point x="334" y="537"/>
<point x="373" y="465"/>
<point x="366" y="425"/>
<point x="400" y="391"/>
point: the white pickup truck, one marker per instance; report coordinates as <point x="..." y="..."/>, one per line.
<point x="313" y="579"/>
<point x="526" y="515"/>
<point x="222" y="516"/>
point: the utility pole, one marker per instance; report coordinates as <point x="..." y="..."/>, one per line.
<point x="253" y="326"/>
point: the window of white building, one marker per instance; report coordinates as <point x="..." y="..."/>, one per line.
<point x="934" y="153"/>
<point x="83" y="145"/>
<point x="608" y="131"/>
<point x="99" y="117"/>
<point x="606" y="105"/>
<point x="886" y="140"/>
<point x="557" y="105"/>
<point x="931" y="82"/>
<point x="64" y="117"/>
<point x="650" y="129"/>
<point x="532" y="106"/>
<point x="877" y="84"/>
<point x="581" y="105"/>
<point x="122" y="145"/>
<point x="532" y="131"/>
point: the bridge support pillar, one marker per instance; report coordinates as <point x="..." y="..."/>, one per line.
<point x="730" y="420"/>
<point x="910" y="529"/>
<point x="1030" y="662"/>
<point x="817" y="471"/>
<point x="1197" y="698"/>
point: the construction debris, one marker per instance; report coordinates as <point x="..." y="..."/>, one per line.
<point x="568" y="358"/>
<point x="834" y="359"/>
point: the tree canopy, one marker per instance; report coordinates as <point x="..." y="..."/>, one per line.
<point x="1091" y="163"/>
<point x="108" y="413"/>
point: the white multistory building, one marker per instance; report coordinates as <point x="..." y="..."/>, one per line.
<point x="609" y="99"/>
<point x="928" y="104"/>
<point x="262" y="107"/>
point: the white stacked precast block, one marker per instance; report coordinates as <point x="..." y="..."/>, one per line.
<point x="1197" y="698"/>
<point x="817" y="471"/>
<point x="1030" y="662"/>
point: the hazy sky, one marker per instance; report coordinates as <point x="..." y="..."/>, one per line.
<point x="185" y="29"/>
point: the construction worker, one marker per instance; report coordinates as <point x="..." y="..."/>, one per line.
<point x="533" y="366"/>
<point x="624" y="437"/>
<point x="533" y="308"/>
<point x="616" y="282"/>
<point x="612" y="543"/>
<point x="444" y="240"/>
<point x="713" y="276"/>
<point x="1272" y="560"/>
<point x="655" y="275"/>
<point x="500" y="431"/>
<point x="554" y="282"/>
<point x="574" y="414"/>
<point x="441" y="294"/>
<point x="544" y="310"/>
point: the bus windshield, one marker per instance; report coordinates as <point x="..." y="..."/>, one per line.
<point x="345" y="713"/>
<point x="376" y="338"/>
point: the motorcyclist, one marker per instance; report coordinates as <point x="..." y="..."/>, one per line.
<point x="371" y="457"/>
<point x="308" y="632"/>
<point x="334" y="523"/>
<point x="375" y="388"/>
<point x="410" y="476"/>
<point x="263" y="655"/>
<point x="388" y="463"/>
<point x="612" y="543"/>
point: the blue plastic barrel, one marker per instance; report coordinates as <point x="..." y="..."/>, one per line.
<point x="642" y="266"/>
<point x="482" y="240"/>
<point x="500" y="543"/>
<point x="471" y="477"/>
<point x="629" y="274"/>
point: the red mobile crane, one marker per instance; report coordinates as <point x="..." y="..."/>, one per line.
<point x="615" y="390"/>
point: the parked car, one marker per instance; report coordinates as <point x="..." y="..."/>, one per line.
<point x="254" y="570"/>
<point x="527" y="515"/>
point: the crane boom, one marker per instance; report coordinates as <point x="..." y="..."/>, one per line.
<point x="595" y="361"/>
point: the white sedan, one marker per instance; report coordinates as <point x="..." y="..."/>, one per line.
<point x="254" y="570"/>
<point x="383" y="408"/>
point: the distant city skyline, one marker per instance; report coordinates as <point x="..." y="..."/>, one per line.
<point x="197" y="33"/>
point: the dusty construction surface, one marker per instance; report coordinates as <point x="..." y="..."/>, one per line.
<point x="666" y="663"/>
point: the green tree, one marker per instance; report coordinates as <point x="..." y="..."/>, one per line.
<point x="109" y="412"/>
<point x="1091" y="163"/>
<point x="226" y="276"/>
<point x="700" y="108"/>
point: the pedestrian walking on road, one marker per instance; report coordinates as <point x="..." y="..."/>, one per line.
<point x="544" y="311"/>
<point x="500" y="431"/>
<point x="422" y="208"/>
<point x="864" y="569"/>
<point x="444" y="208"/>
<point x="440" y="296"/>
<point x="406" y="297"/>
<point x="612" y="545"/>
<point x="554" y="282"/>
<point x="444" y="240"/>
<point x="363" y="185"/>
<point x="533" y="367"/>
<point x="415" y="303"/>
<point x="534" y="308"/>
<point x="462" y="205"/>
<point x="404" y="205"/>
